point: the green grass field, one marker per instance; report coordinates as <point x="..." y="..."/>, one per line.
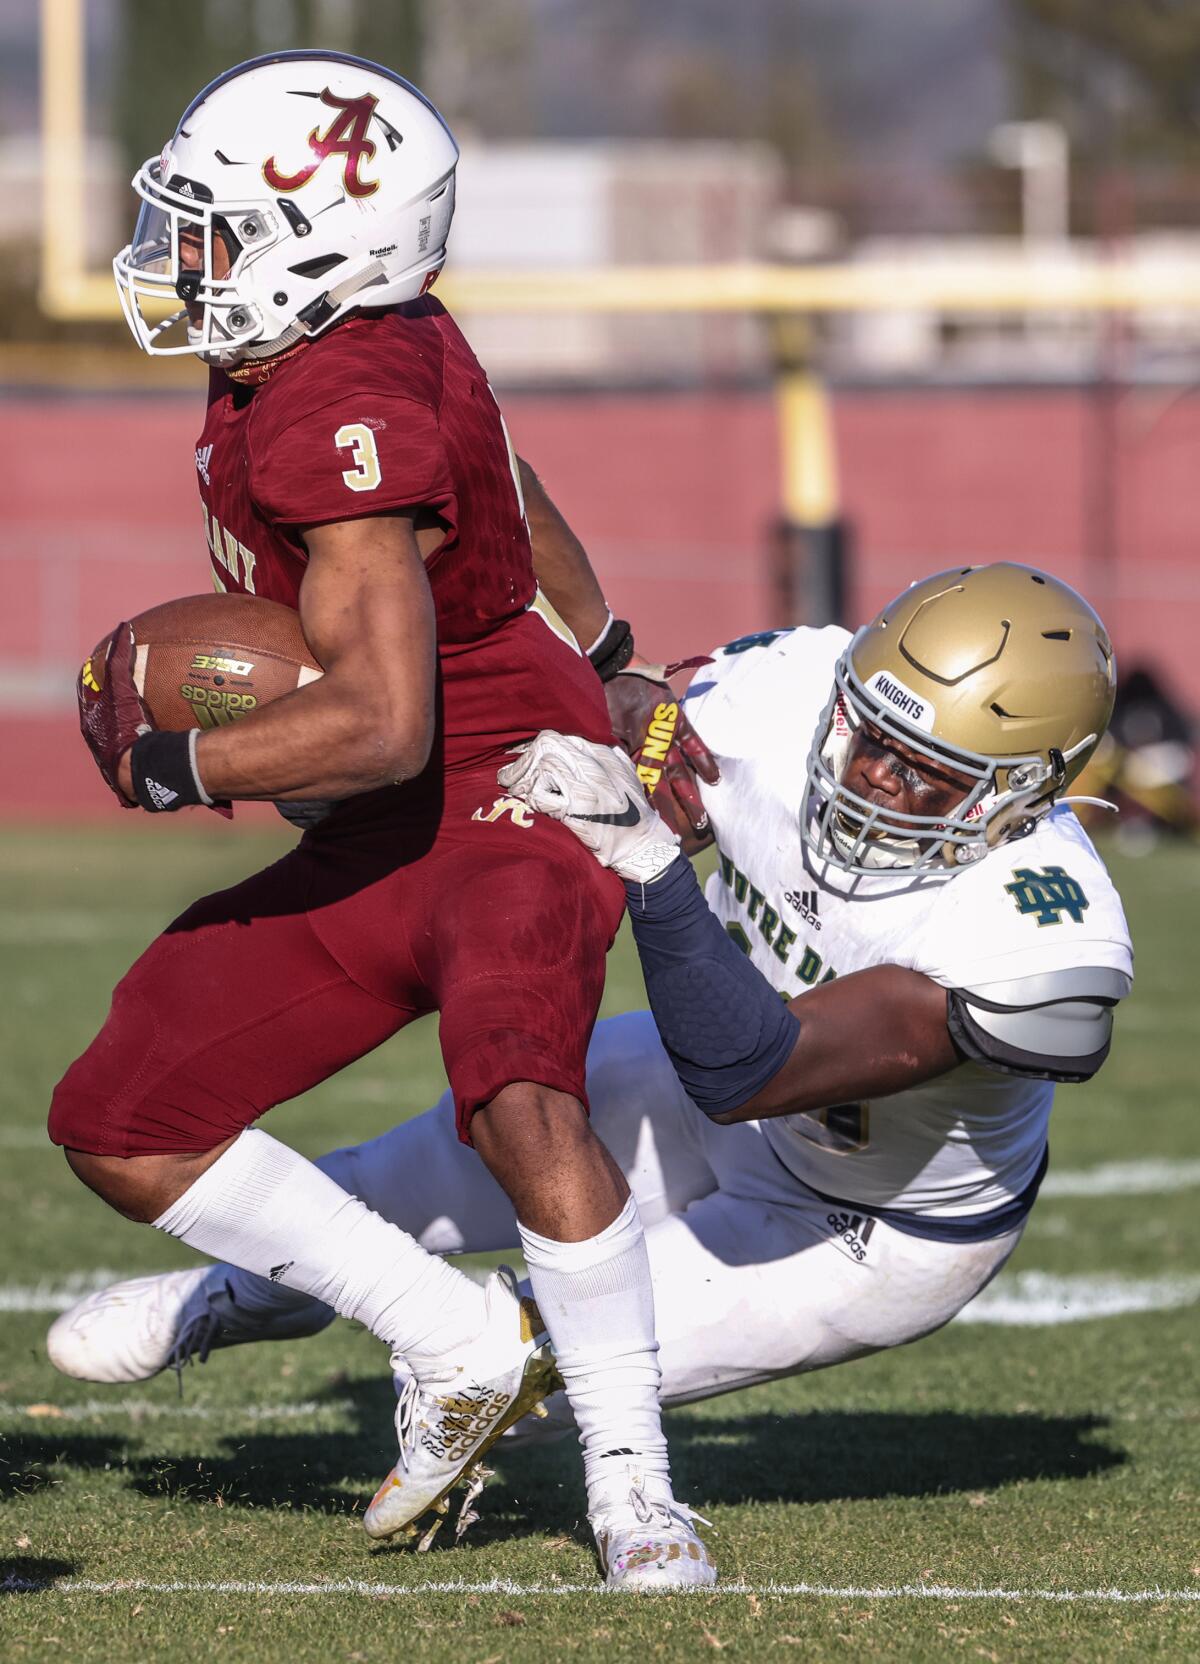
<point x="1026" y="1487"/>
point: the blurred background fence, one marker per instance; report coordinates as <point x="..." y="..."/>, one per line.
<point x="790" y="303"/>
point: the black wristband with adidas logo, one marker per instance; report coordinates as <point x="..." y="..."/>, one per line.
<point x="164" y="770"/>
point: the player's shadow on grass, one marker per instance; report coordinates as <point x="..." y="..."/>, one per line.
<point x="327" y="1473"/>
<point x="30" y="1574"/>
<point x="841" y="1455"/>
<point x="717" y="1459"/>
<point x="29" y="1464"/>
<point x="300" y="1471"/>
<point x="822" y="1456"/>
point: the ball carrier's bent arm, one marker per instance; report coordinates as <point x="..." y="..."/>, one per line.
<point x="367" y="613"/>
<point x="564" y="573"/>
<point x="637" y="691"/>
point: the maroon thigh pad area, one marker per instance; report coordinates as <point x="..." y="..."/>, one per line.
<point x="517" y="961"/>
<point x="499" y="919"/>
<point x="234" y="1008"/>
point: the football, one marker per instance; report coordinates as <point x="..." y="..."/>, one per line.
<point x="206" y="660"/>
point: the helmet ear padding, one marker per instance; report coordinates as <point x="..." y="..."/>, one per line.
<point x="1003" y="674"/>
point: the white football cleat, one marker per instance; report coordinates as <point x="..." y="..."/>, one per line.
<point x="131" y="1331"/>
<point x="647" y="1543"/>
<point x="446" y="1421"/>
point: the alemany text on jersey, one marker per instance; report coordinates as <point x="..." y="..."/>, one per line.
<point x="229" y="553"/>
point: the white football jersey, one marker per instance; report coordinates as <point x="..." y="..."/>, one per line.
<point x="969" y="1141"/>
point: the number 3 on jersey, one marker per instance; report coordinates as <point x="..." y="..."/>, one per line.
<point x="364" y="476"/>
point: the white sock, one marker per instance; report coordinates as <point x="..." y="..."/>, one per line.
<point x="417" y="1176"/>
<point x="597" y="1301"/>
<point x="258" y="1296"/>
<point x="265" y="1208"/>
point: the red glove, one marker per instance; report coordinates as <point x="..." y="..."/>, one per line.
<point x="111" y="711"/>
<point x="649" y="722"/>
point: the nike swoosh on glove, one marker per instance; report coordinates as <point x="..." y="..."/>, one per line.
<point x="593" y="789"/>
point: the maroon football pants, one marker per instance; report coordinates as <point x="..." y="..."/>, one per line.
<point x="259" y="992"/>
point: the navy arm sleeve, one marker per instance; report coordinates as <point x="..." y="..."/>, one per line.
<point x="726" y="1030"/>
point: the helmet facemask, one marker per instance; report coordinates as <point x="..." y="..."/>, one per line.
<point x="153" y="270"/>
<point x="850" y="832"/>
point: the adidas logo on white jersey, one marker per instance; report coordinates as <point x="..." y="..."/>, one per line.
<point x="161" y="796"/>
<point x="203" y="458"/>
<point x="805" y="903"/>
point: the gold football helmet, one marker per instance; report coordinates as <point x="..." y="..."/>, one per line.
<point x="1000" y="673"/>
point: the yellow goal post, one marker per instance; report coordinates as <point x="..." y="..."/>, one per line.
<point x="1025" y="281"/>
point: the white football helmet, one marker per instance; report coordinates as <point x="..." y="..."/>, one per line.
<point x="1000" y="674"/>
<point x="328" y="180"/>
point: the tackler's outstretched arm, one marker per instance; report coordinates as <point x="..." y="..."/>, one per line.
<point x="740" y="1051"/>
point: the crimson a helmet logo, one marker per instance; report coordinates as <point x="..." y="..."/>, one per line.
<point x="346" y="136"/>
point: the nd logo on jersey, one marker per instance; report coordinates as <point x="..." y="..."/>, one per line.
<point x="1048" y="894"/>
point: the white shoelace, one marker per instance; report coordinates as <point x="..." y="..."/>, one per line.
<point x="668" y="1515"/>
<point x="407" y="1428"/>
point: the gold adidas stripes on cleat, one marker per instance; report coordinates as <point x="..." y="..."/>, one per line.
<point x="448" y="1418"/>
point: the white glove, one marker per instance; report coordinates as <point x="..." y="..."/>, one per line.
<point x="593" y="789"/>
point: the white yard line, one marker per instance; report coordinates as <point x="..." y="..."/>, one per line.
<point x="1124" y="1178"/>
<point x="55" y="1295"/>
<point x="510" y="1587"/>
<point x="150" y="1409"/>
<point x="72" y="927"/>
<point x="1018" y="1300"/>
<point x="1037" y="1299"/>
<point x="1156" y="1177"/>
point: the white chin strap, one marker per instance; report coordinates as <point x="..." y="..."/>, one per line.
<point x="229" y="357"/>
<point x="335" y="299"/>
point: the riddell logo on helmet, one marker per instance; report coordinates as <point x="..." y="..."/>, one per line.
<point x="345" y="137"/>
<point x="902" y="700"/>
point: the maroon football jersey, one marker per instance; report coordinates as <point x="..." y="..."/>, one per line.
<point x="392" y="411"/>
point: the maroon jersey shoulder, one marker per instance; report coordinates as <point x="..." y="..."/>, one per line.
<point x="351" y="426"/>
<point x="391" y="411"/>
